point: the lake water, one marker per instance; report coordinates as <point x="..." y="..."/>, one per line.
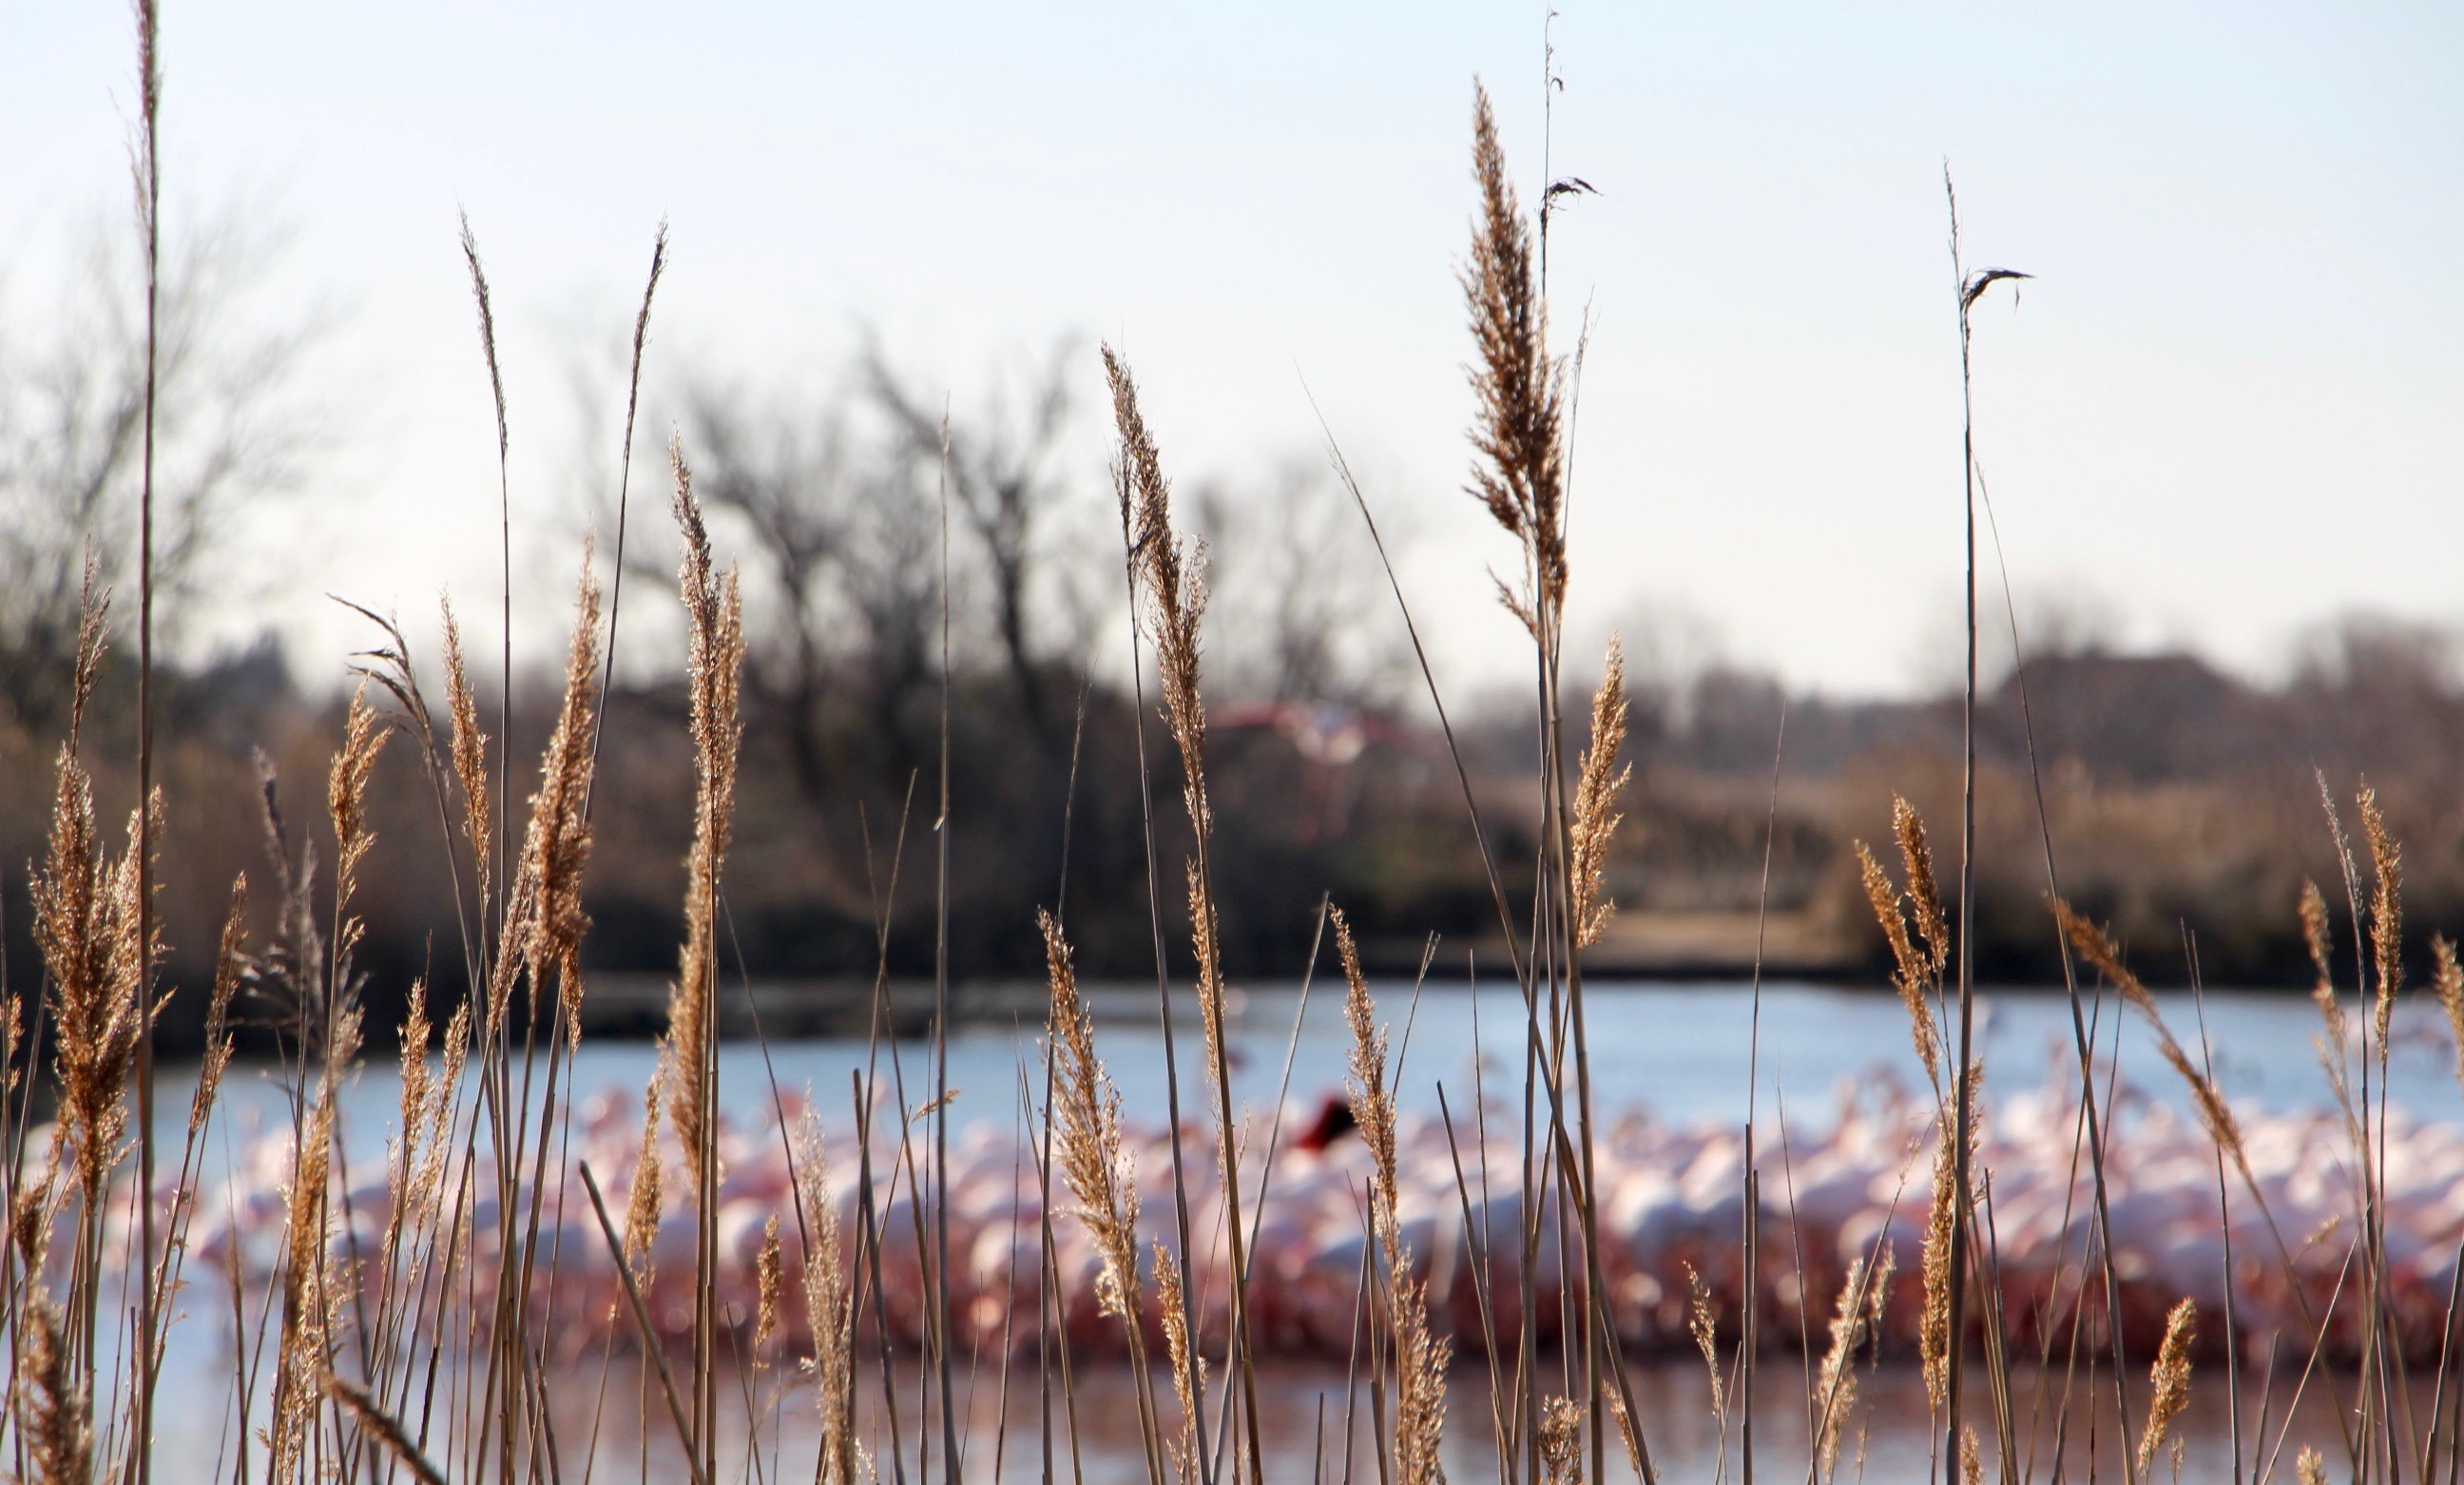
<point x="1678" y="1050"/>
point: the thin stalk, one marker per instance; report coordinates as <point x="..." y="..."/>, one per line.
<point x="623" y="490"/>
<point x="150" y="187"/>
<point x="1154" y="924"/>
<point x="941" y="999"/>
<point x="1749" y="1338"/>
<point x="1965" y="291"/>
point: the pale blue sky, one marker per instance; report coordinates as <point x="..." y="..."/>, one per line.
<point x="2229" y="403"/>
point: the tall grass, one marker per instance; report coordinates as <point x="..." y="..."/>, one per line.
<point x="429" y="1355"/>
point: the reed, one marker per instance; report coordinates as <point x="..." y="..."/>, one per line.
<point x="713" y="669"/>
<point x="2169" y="1382"/>
<point x="1170" y="566"/>
<point x="418" y="1341"/>
<point x="1419" y="1359"/>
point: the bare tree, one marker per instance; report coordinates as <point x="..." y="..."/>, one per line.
<point x="234" y="425"/>
<point x="1297" y="585"/>
<point x="848" y="540"/>
<point x="1005" y="480"/>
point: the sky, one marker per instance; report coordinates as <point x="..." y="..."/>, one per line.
<point x="2226" y="405"/>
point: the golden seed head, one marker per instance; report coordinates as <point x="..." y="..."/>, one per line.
<point x="1517" y="386"/>
<point x="1597" y="785"/>
<point x="2168" y="1381"/>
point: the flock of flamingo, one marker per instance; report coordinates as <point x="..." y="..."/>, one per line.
<point x="2280" y="1234"/>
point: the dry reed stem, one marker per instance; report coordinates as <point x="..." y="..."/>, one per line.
<point x="1419" y="1358"/>
<point x="1518" y="388"/>
<point x="1599" y="783"/>
<point x="714" y="664"/>
<point x="2168" y="1381"/>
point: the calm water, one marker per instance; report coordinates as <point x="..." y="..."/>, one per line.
<point x="1679" y="1050"/>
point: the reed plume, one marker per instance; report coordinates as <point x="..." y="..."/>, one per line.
<point x="346" y="789"/>
<point x="1100" y="1171"/>
<point x="427" y="1190"/>
<point x="769" y="1286"/>
<point x="715" y="665"/>
<point x="829" y="1312"/>
<point x="469" y="750"/>
<point x="2215" y="1115"/>
<point x="53" y="1407"/>
<point x="1518" y="388"/>
<point x="2387" y="912"/>
<point x="1705" y="1333"/>
<point x="2169" y="1381"/>
<point x="2315" y="936"/>
<point x="416" y="1034"/>
<point x="1188" y="1369"/>
<point x="643" y="1198"/>
<point x="1419" y="1358"/>
<point x="306" y="1343"/>
<point x="403" y="1162"/>
<point x="87" y="923"/>
<point x="1924" y="894"/>
<point x="556" y="844"/>
<point x="1934" y="1338"/>
<point x="1855" y="1324"/>
<point x="1913" y="973"/>
<point x="2448" y="979"/>
<point x="1599" y="783"/>
<point x="2310" y="1467"/>
<point x="30" y="1210"/>
<point x="384" y="1428"/>
<point x="1170" y="568"/>
<point x="1561" y="1441"/>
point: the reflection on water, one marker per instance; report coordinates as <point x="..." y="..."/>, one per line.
<point x="609" y="1416"/>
